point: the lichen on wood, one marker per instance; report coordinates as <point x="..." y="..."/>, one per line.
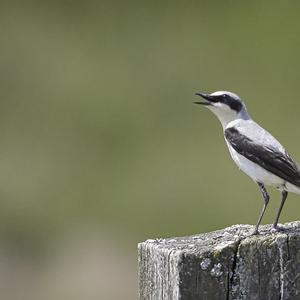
<point x="224" y="264"/>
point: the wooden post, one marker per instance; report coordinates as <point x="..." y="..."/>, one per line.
<point x="225" y="264"/>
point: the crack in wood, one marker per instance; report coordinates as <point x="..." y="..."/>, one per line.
<point x="225" y="264"/>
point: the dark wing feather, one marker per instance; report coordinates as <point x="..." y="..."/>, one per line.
<point x="274" y="161"/>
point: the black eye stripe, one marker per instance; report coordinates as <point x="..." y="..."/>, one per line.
<point x="232" y="103"/>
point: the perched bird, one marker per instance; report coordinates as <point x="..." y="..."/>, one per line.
<point x="253" y="149"/>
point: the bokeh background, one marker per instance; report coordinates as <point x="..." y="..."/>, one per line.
<point x="101" y="146"/>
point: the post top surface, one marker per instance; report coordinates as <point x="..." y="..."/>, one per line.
<point x="220" y="239"/>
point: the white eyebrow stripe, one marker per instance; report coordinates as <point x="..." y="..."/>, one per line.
<point x="233" y="95"/>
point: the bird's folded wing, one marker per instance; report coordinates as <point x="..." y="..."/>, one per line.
<point x="266" y="156"/>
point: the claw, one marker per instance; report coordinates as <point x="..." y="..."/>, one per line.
<point x="255" y="232"/>
<point x="276" y="228"/>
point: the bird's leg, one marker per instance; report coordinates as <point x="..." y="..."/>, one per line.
<point x="284" y="195"/>
<point x="266" y="201"/>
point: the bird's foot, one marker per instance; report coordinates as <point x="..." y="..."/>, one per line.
<point x="255" y="232"/>
<point x="277" y="228"/>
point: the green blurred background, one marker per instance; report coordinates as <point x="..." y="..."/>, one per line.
<point x="101" y="145"/>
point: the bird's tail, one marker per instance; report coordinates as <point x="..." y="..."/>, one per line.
<point x="292" y="188"/>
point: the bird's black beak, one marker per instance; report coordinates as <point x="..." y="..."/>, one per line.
<point x="210" y="99"/>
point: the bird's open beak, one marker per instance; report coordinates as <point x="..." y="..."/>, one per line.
<point x="210" y="99"/>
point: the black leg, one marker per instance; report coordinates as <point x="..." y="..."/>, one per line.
<point x="284" y="195"/>
<point x="266" y="201"/>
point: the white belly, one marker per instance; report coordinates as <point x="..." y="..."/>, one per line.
<point x="254" y="171"/>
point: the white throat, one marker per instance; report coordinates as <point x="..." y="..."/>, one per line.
<point x="225" y="116"/>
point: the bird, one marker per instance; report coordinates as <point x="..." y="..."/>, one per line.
<point x="255" y="151"/>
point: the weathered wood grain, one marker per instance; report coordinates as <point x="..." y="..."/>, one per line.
<point x="224" y="264"/>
